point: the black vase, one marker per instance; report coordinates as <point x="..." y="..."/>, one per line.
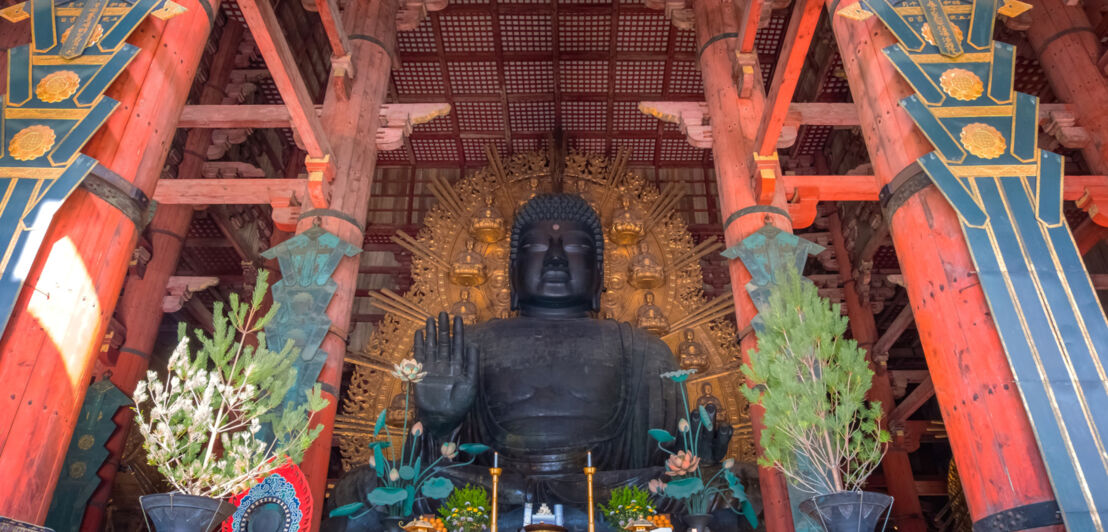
<point x="392" y="524"/>
<point x="698" y="521"/>
<point x="847" y="511"/>
<point x="177" y="512"/>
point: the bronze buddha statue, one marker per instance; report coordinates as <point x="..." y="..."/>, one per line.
<point x="546" y="387"/>
<point x="691" y="355"/>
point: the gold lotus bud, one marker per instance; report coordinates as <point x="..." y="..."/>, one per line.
<point x="961" y="84"/>
<point x="57" y="86"/>
<point x="31" y="142"/>
<point x="983" y="140"/>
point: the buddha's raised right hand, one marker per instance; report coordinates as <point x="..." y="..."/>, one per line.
<point x="446" y="394"/>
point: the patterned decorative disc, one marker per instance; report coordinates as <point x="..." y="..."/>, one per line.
<point x="983" y="141"/>
<point x="961" y="84"/>
<point x="281" y="499"/>
<point x="31" y="142"/>
<point x="57" y="86"/>
<point x="97" y="33"/>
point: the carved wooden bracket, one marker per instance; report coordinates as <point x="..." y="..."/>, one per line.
<point x="321" y="171"/>
<point x="1061" y="124"/>
<point x="286" y="211"/>
<point x="397" y="120"/>
<point x="1096" y="204"/>
<point x="230" y="170"/>
<point x="767" y="173"/>
<point x="179" y="290"/>
<point x="677" y="11"/>
<point x="746" y="73"/>
<point x="412" y="12"/>
<point x="342" y="73"/>
<point x="691" y="117"/>
<point x="803" y="206"/>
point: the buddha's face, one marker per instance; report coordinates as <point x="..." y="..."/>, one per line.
<point x="556" y="267"/>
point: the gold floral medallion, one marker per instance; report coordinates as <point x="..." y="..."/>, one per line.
<point x="961" y="84"/>
<point x="31" y="142"/>
<point x="57" y="86"/>
<point x="929" y="38"/>
<point x="983" y="140"/>
<point x="97" y="33"/>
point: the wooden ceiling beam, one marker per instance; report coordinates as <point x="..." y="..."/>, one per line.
<point x="798" y="38"/>
<point x="228" y="191"/>
<point x="278" y="56"/>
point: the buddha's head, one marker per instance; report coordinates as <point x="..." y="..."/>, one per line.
<point x="556" y="257"/>
<point x="706" y="389"/>
<point x="689" y="336"/>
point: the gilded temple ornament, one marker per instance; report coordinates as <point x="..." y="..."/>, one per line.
<point x="983" y="140"/>
<point x="488" y="224"/>
<point x="97" y="34"/>
<point x="628" y="226"/>
<point x="961" y="84"/>
<point x="58" y="86"/>
<point x="929" y="38"/>
<point x="646" y="269"/>
<point x="31" y="143"/>
<point x="468" y="268"/>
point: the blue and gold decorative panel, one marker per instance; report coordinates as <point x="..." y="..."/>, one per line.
<point x="54" y="103"/>
<point x="307" y="261"/>
<point x="85" y="456"/>
<point x="1008" y="195"/>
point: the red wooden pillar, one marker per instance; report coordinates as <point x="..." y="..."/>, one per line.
<point x="734" y="123"/>
<point x="990" y="435"/>
<point x="52" y="339"/>
<point x="907" y="515"/>
<point x="140" y="306"/>
<point x="351" y="125"/>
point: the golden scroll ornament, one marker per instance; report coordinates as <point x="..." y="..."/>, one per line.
<point x="961" y="84"/>
<point x="930" y="39"/>
<point x="983" y="140"/>
<point x="57" y="86"/>
<point x="31" y="142"/>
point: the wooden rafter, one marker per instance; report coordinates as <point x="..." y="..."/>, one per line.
<point x="798" y="38"/>
<point x="267" y="33"/>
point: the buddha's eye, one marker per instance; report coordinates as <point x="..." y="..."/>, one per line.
<point x="535" y="247"/>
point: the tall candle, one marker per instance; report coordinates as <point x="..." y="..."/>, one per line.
<point x="590" y="458"/>
<point x="496" y="459"/>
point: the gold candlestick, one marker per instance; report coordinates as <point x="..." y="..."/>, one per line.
<point x="495" y="472"/>
<point x="589" y="472"/>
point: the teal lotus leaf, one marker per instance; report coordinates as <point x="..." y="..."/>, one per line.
<point x="387" y="496"/>
<point x="380" y="422"/>
<point x="684" y="488"/>
<point x="473" y="448"/>
<point x="380" y="464"/>
<point x="417" y="466"/>
<point x="437" y="488"/>
<point x="346" y="509"/>
<point x="738" y="492"/>
<point x="407" y="472"/>
<point x="662" y="436"/>
<point x="705" y="419"/>
<point x="380" y="444"/>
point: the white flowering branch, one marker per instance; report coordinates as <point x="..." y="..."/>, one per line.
<point x="203" y="425"/>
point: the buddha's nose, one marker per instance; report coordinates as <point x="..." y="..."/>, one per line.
<point x="555" y="256"/>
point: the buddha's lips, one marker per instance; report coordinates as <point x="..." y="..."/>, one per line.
<point x="555" y="275"/>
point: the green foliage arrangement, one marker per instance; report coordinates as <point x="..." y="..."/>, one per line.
<point x="688" y="483"/>
<point x="201" y="429"/>
<point x="466" y="509"/>
<point x="403" y="479"/>
<point x="819" y="429"/>
<point x="626" y="504"/>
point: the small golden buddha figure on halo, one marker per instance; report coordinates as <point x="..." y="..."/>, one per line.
<point x="468" y="268"/>
<point x="465" y="309"/>
<point x="533" y="190"/>
<point x="628" y="224"/>
<point x="691" y="355"/>
<point x="650" y="316"/>
<point x="646" y="270"/>
<point x="706" y="398"/>
<point x="487" y="224"/>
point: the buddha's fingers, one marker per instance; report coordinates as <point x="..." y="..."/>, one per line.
<point x="472" y="359"/>
<point x="429" y="349"/>
<point x="457" y="346"/>
<point x="442" y="354"/>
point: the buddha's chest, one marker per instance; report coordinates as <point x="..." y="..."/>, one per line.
<point x="552" y="374"/>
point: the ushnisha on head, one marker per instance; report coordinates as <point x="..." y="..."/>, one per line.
<point x="556" y="257"/>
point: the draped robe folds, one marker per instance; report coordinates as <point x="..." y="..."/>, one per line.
<point x="605" y="378"/>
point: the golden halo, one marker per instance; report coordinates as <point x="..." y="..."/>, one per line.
<point x="930" y="38"/>
<point x="983" y="141"/>
<point x="57" y="86"/>
<point x="97" y="33"/>
<point x="31" y="142"/>
<point x="961" y="84"/>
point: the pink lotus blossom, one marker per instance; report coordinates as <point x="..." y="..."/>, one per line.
<point x="682" y="463"/>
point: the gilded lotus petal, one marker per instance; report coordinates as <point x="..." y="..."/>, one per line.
<point x="961" y="84"/>
<point x="983" y="140"/>
<point x="57" y="86"/>
<point x="31" y="142"/>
